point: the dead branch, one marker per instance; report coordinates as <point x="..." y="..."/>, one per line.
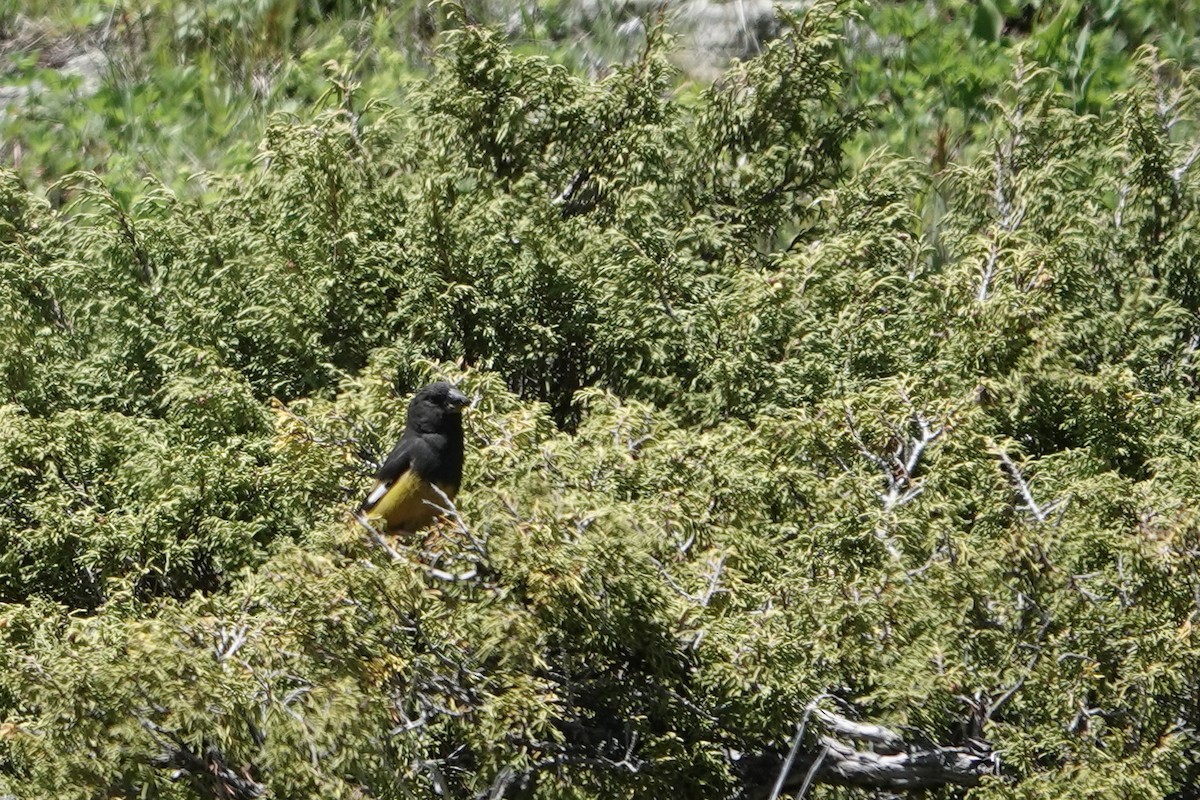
<point x="859" y="731"/>
<point x="890" y="763"/>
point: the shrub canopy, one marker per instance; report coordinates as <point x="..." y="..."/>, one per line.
<point x="757" y="426"/>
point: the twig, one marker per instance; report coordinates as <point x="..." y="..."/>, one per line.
<point x="1010" y="216"/>
<point x="812" y="773"/>
<point x="899" y="468"/>
<point x="1040" y="513"/>
<point x="377" y="538"/>
<point x="787" y="764"/>
<point x="449" y="509"/>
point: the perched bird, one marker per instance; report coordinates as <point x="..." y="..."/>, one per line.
<point x="429" y="454"/>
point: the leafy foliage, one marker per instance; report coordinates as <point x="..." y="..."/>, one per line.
<point x="756" y="427"/>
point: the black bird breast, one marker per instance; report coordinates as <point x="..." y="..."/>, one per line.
<point x="438" y="457"/>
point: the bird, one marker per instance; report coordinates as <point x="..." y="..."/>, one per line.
<point x="428" y="455"/>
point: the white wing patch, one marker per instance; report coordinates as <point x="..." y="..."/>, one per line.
<point x="376" y="494"/>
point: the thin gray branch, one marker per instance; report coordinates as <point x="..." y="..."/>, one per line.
<point x="899" y="467"/>
<point x="1040" y="512"/>
<point x="797" y="740"/>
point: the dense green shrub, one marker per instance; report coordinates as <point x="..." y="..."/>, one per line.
<point x="756" y="427"/>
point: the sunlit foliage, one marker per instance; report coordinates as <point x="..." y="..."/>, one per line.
<point x="755" y="426"/>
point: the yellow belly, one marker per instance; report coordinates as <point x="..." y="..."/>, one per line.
<point x="410" y="504"/>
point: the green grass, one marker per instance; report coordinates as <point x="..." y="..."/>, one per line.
<point x="188" y="87"/>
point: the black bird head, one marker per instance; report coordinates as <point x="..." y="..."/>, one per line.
<point x="436" y="408"/>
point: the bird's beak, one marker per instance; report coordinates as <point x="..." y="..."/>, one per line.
<point x="458" y="400"/>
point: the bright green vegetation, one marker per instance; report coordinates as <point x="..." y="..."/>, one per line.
<point x="939" y="67"/>
<point x="188" y="87"/>
<point x="766" y="417"/>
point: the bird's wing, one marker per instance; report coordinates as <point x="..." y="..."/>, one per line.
<point x="396" y="464"/>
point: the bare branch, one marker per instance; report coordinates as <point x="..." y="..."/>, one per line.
<point x="229" y="641"/>
<point x="902" y="766"/>
<point x="918" y="768"/>
<point x="1041" y="513"/>
<point x="377" y="538"/>
<point x="860" y="731"/>
<point x="449" y="510"/>
<point x="900" y="467"/>
<point x="208" y="772"/>
<point x="796" y="742"/>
